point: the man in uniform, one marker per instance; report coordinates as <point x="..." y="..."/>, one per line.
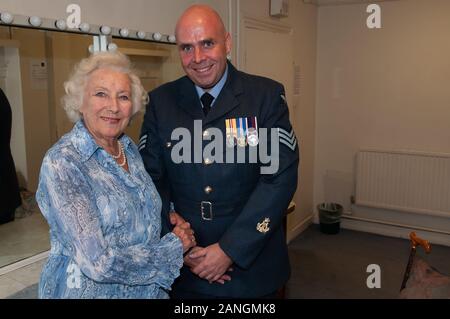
<point x="235" y="209"/>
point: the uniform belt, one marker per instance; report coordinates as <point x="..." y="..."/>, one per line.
<point x="208" y="209"/>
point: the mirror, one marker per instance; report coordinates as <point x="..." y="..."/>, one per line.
<point x="34" y="64"/>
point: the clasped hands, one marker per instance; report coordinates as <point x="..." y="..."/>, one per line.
<point x="209" y="263"/>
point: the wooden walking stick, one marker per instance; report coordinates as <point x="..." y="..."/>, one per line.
<point x="415" y="241"/>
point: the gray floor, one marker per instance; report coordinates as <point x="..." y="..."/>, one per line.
<point x="334" y="266"/>
<point x="21" y="283"/>
<point x="323" y="266"/>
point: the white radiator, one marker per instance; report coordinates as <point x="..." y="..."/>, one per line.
<point x="405" y="181"/>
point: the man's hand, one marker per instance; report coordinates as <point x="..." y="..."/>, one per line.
<point x="214" y="262"/>
<point x="193" y="262"/>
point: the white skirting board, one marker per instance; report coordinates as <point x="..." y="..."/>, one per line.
<point x="392" y="230"/>
<point x="299" y="228"/>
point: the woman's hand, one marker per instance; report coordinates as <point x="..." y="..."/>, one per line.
<point x="186" y="234"/>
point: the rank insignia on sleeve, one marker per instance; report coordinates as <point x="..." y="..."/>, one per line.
<point x="263" y="227"/>
<point x="287" y="138"/>
<point x="142" y="142"/>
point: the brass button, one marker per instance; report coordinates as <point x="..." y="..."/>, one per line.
<point x="205" y="133"/>
<point x="208" y="161"/>
<point x="208" y="190"/>
<point x="168" y="144"/>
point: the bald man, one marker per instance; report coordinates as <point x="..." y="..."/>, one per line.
<point x="236" y="207"/>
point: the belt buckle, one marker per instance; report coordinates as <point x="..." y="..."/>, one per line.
<point x="206" y="208"/>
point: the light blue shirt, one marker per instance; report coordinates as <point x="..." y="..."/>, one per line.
<point x="216" y="89"/>
<point x="105" y="224"/>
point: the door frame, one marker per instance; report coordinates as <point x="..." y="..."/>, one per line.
<point x="249" y="22"/>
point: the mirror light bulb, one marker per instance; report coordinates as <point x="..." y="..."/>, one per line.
<point x="141" y="34"/>
<point x="124" y="32"/>
<point x="157" y="36"/>
<point x="105" y="30"/>
<point x="61" y="24"/>
<point x="35" y="21"/>
<point x="112" y="47"/>
<point x="85" y="27"/>
<point x="6" y="17"/>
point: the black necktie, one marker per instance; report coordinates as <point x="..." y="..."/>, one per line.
<point x="206" y="101"/>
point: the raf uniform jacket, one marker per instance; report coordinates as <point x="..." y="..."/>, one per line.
<point x="232" y="204"/>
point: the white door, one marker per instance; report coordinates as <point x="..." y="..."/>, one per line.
<point x="268" y="52"/>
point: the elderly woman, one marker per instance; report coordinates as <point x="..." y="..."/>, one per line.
<point x="102" y="207"/>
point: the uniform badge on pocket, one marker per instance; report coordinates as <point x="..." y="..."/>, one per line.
<point x="263" y="227"/>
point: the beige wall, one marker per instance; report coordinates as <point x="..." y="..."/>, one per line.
<point x="303" y="20"/>
<point x="305" y="37"/>
<point x="385" y="88"/>
<point x="148" y="15"/>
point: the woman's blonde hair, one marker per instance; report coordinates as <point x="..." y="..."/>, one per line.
<point x="76" y="84"/>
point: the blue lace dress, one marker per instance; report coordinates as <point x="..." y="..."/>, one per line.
<point x="104" y="224"/>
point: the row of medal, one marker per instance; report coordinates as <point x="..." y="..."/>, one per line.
<point x="242" y="131"/>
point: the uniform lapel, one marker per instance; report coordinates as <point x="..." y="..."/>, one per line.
<point x="227" y="99"/>
<point x="188" y="99"/>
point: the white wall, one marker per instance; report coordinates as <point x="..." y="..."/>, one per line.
<point x="148" y="15"/>
<point x="303" y="21"/>
<point x="382" y="88"/>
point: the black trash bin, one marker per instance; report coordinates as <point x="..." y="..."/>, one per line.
<point x="330" y="217"/>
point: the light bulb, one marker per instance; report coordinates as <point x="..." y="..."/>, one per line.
<point x="35" y="21"/>
<point x="61" y="24"/>
<point x="105" y="30"/>
<point x="6" y="17"/>
<point x="141" y="34"/>
<point x="112" y="47"/>
<point x="157" y="36"/>
<point x="172" y="38"/>
<point x="85" y="27"/>
<point x="124" y="32"/>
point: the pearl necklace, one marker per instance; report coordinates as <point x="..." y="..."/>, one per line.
<point x="121" y="152"/>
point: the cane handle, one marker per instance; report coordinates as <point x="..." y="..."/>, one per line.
<point x="417" y="241"/>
